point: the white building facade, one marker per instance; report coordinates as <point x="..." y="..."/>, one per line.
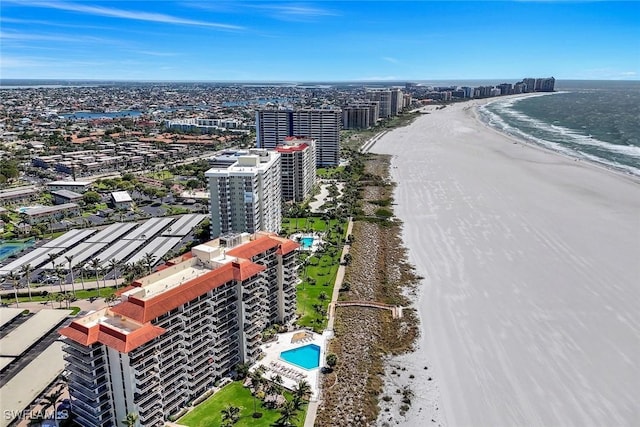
<point x="297" y="168"/>
<point x="246" y="194"/>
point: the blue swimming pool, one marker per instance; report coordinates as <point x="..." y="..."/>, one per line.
<point x="307" y="357"/>
<point x="8" y="249"/>
<point x="307" y="242"/>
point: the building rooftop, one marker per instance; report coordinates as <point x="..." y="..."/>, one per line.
<point x="69" y="183"/>
<point x="50" y="209"/>
<point x="208" y="266"/>
<point x="121" y="197"/>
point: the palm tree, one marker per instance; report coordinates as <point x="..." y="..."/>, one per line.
<point x="113" y="266"/>
<point x="60" y="299"/>
<point x="302" y="390"/>
<point x="69" y="259"/>
<point x="26" y="270"/>
<point x="95" y="265"/>
<point x="288" y="414"/>
<point x="15" y="279"/>
<point x="256" y="380"/>
<point x="110" y="299"/>
<point x="52" y="399"/>
<point x="130" y="420"/>
<point x="60" y="275"/>
<point x="231" y="414"/>
<point x="82" y="276"/>
<point x="149" y="261"/>
<point x="52" y="259"/>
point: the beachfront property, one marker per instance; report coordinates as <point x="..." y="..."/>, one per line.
<point x="245" y="192"/>
<point x="323" y="125"/>
<point x="176" y="332"/>
<point x="361" y="115"/>
<point x="297" y="168"/>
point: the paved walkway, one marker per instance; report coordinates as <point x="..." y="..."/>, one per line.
<point x="312" y="410"/>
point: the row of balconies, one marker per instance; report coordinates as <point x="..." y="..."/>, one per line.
<point x="83" y="353"/>
<point x="95" y="413"/>
<point x="88" y="367"/>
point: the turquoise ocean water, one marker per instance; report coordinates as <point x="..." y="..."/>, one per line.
<point x="597" y="121"/>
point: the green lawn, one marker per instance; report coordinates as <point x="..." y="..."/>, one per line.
<point x="208" y="413"/>
<point x="320" y="274"/>
<point x="80" y="294"/>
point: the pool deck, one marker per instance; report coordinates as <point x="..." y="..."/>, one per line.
<point x="292" y="374"/>
<point x="317" y="240"/>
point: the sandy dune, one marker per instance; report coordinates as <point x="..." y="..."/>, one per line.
<point x="530" y="306"/>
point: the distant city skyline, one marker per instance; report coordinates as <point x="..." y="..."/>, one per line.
<point x="318" y="41"/>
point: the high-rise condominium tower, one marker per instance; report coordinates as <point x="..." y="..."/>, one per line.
<point x="179" y="330"/>
<point x="273" y="126"/>
<point x="297" y="168"/>
<point x="245" y="192"/>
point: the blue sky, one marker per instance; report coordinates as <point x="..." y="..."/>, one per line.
<point x="321" y="40"/>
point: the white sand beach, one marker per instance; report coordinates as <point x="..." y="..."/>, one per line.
<point x="530" y="303"/>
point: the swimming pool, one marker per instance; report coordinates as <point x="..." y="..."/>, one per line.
<point x="8" y="249"/>
<point x="307" y="357"/>
<point x="307" y="242"/>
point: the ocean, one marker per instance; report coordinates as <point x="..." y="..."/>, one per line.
<point x="591" y="120"/>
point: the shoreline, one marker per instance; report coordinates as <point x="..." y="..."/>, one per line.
<point x="527" y="163"/>
<point x="530" y="143"/>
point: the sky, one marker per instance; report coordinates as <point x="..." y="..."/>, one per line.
<point x="338" y="40"/>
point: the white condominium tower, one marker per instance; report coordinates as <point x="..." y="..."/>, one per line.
<point x="297" y="168"/>
<point x="179" y="330"/>
<point x="245" y="192"/>
<point x="273" y="126"/>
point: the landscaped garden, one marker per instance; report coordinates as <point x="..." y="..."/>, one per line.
<point x="317" y="269"/>
<point x="233" y="405"/>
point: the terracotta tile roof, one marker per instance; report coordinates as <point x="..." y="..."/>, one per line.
<point x="146" y="310"/>
<point x="244" y="269"/>
<point x="111" y="337"/>
<point x="263" y="244"/>
<point x="287" y="246"/>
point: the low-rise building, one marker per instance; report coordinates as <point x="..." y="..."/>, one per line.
<point x="77" y="186"/>
<point x="51" y="213"/>
<point x="61" y="197"/>
<point x="17" y="195"/>
<point x="121" y="200"/>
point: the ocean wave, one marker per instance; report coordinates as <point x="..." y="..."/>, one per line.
<point x="554" y="137"/>
<point x="568" y="135"/>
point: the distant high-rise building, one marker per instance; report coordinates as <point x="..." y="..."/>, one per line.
<point x="545" y="84"/>
<point x="396" y="101"/>
<point x="384" y="98"/>
<point x="245" y="192"/>
<point x="356" y="116"/>
<point x="297" y="168"/>
<point x="178" y="331"/>
<point x="273" y="126"/>
<point x="530" y="84"/>
<point x="505" y="88"/>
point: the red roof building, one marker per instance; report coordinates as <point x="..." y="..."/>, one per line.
<point x="179" y="330"/>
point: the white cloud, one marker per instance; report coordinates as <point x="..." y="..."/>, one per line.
<point x="390" y="59"/>
<point x="127" y="14"/>
<point x="295" y="11"/>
